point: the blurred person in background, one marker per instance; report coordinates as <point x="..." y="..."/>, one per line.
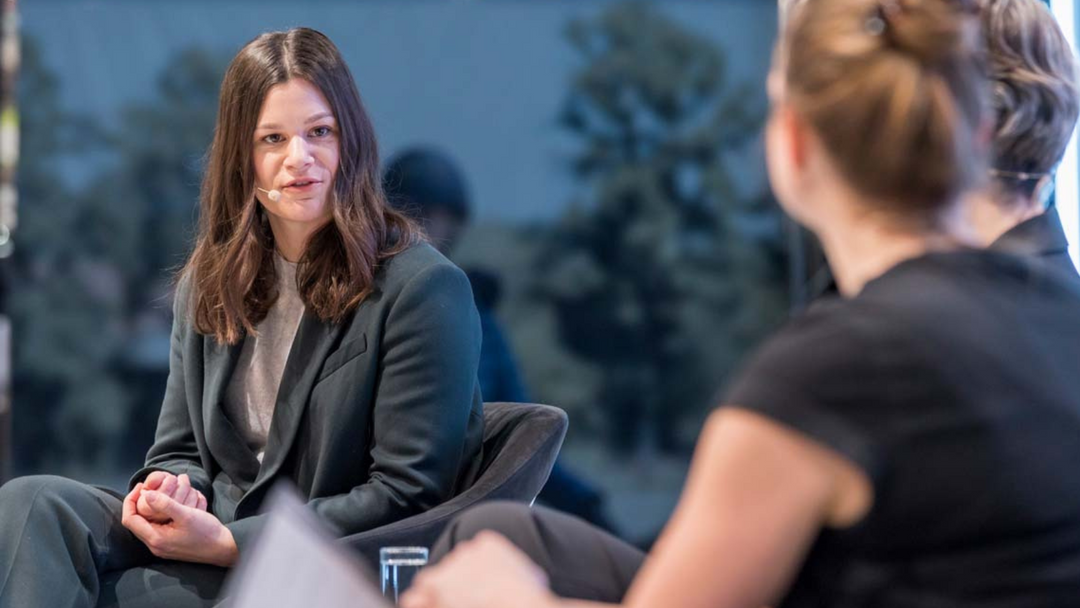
<point x="428" y="185"/>
<point x="282" y="366"/>
<point x="1033" y="73"/>
<point x="909" y="444"/>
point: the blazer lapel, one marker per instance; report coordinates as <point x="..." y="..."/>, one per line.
<point x="219" y="362"/>
<point x="312" y="344"/>
<point x="1040" y="235"/>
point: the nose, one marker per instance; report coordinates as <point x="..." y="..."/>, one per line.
<point x="299" y="154"/>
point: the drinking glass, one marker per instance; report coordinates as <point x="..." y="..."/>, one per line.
<point x="399" y="566"/>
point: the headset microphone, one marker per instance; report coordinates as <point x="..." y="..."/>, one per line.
<point x="274" y="195"/>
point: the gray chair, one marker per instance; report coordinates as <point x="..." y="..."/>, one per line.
<point x="521" y="442"/>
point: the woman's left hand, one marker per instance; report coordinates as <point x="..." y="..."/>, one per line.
<point x="485" y="572"/>
<point x="191" y="535"/>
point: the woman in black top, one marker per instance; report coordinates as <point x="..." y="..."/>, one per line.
<point x="912" y="444"/>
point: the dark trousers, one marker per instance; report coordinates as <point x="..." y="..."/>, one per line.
<point x="582" y="561"/>
<point x="568" y="492"/>
<point x="62" y="544"/>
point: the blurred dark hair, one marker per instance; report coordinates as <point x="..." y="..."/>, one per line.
<point x="231" y="269"/>
<point x="421" y="180"/>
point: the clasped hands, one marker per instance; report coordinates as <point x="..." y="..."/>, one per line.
<point x="169" y="516"/>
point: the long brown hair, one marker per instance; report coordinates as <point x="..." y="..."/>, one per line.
<point x="897" y="92"/>
<point x="231" y="270"/>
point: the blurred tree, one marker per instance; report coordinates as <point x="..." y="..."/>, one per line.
<point x="668" y="272"/>
<point x="90" y="297"/>
<point x="64" y="305"/>
<point x="160" y="146"/>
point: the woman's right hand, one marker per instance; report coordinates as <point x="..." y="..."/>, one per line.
<point x="485" y="572"/>
<point x="175" y="487"/>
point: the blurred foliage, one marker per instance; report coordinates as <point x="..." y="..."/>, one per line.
<point x="91" y="272"/>
<point x="628" y="312"/>
<point x="664" y="273"/>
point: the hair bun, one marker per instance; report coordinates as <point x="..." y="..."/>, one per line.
<point x="909" y="71"/>
<point x="928" y="31"/>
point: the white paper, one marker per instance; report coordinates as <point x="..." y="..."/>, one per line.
<point x="295" y="563"/>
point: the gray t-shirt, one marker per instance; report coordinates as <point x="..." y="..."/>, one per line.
<point x="253" y="388"/>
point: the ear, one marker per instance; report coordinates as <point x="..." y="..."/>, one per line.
<point x="791" y="157"/>
<point x="1043" y="191"/>
<point x="799" y="137"/>
<point x="795" y="140"/>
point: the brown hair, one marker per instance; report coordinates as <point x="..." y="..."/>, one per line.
<point x="1035" y="96"/>
<point x="231" y="270"/>
<point x="896" y="90"/>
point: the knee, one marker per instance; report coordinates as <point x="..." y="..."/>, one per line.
<point x="499" y="516"/>
<point x="507" y="518"/>
<point x="34" y="491"/>
<point x="24" y="489"/>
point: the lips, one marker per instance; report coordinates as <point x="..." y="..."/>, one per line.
<point x="301" y="183"/>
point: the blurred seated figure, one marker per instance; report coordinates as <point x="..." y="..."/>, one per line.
<point x="500" y="378"/>
<point x="429" y="186"/>
<point x="909" y="444"/>
<point x="1036" y="100"/>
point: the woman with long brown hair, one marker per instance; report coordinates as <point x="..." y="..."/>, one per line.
<point x="317" y="339"/>
<point x="911" y="444"/>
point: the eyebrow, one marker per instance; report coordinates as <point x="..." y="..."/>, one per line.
<point x="311" y="119"/>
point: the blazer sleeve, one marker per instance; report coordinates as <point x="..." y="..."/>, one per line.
<point x="424" y="399"/>
<point x="175" y="449"/>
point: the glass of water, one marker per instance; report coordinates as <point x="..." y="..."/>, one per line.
<point x="399" y="565"/>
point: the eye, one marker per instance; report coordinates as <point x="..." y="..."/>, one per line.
<point x="321" y="132"/>
<point x="273" y="138"/>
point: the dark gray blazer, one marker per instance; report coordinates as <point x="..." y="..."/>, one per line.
<point x="1041" y="236"/>
<point x="377" y="418"/>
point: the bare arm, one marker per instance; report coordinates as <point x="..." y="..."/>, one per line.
<point x="756" y="497"/>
